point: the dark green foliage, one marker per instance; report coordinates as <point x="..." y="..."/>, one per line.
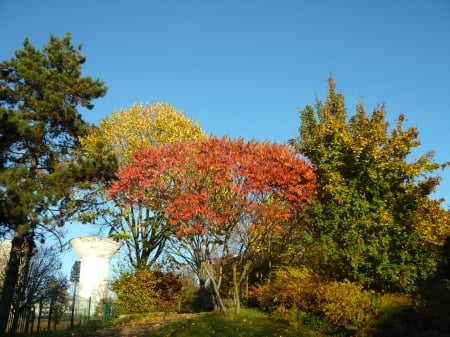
<point x="195" y="298"/>
<point x="435" y="310"/>
<point x="75" y="272"/>
<point x="40" y="93"/>
<point x="203" y="300"/>
<point x="39" y="96"/>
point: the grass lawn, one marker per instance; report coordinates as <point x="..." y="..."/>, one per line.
<point x="248" y="323"/>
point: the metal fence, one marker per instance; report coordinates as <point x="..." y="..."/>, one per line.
<point x="76" y="312"/>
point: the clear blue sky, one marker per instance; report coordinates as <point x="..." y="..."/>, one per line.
<point x="243" y="67"/>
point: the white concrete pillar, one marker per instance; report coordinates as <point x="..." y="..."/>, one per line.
<point x="95" y="255"/>
<point x="5" y="250"/>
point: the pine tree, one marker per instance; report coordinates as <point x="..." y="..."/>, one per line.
<point x="40" y="93"/>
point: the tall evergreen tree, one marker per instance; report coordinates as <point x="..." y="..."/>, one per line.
<point x="40" y="93"/>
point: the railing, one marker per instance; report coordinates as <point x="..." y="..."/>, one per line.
<point x="73" y="314"/>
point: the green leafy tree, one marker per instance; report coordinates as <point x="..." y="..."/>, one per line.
<point x="40" y="93"/>
<point x="373" y="220"/>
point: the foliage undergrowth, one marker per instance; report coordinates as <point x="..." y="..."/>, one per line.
<point x="300" y="298"/>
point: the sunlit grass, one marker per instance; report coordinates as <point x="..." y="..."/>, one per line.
<point x="250" y="323"/>
<point x="247" y="323"/>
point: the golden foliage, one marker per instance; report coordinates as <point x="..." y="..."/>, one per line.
<point x="346" y="304"/>
<point x="433" y="223"/>
<point x="291" y="287"/>
<point x="147" y="291"/>
<point x="141" y="126"/>
<point x="293" y="291"/>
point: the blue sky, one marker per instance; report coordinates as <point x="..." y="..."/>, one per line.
<point x="243" y="68"/>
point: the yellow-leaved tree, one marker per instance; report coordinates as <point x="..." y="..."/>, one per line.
<point x="143" y="231"/>
<point x="141" y="126"/>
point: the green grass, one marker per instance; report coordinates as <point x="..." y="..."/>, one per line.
<point x="248" y="323"/>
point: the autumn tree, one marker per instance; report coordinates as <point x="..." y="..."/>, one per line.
<point x="40" y="94"/>
<point x="142" y="228"/>
<point x="373" y="220"/>
<point x="213" y="187"/>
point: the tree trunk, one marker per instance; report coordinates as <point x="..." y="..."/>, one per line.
<point x="237" y="284"/>
<point x="237" y="302"/>
<point x="15" y="322"/>
<point x="215" y="288"/>
<point x="11" y="276"/>
<point x="30" y="319"/>
<point x="38" y="328"/>
<point x="20" y="303"/>
<point x="50" y="312"/>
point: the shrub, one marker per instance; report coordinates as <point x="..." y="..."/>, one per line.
<point x="289" y="288"/>
<point x="147" y="291"/>
<point x="347" y="304"/>
<point x="292" y="292"/>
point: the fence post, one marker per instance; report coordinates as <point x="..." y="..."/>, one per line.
<point x="89" y="309"/>
<point x="106" y="311"/>
<point x="73" y="305"/>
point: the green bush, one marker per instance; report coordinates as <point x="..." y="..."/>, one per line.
<point x="147" y="291"/>
<point x="289" y="288"/>
<point x="347" y="304"/>
<point x="392" y="304"/>
<point x="292" y="292"/>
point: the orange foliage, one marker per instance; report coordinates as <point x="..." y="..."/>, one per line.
<point x="216" y="182"/>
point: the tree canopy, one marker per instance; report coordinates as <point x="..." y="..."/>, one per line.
<point x="139" y="127"/>
<point x="373" y="218"/>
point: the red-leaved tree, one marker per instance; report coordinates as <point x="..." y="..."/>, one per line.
<point x="219" y="194"/>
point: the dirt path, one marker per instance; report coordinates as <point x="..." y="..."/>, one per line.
<point x="137" y="328"/>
